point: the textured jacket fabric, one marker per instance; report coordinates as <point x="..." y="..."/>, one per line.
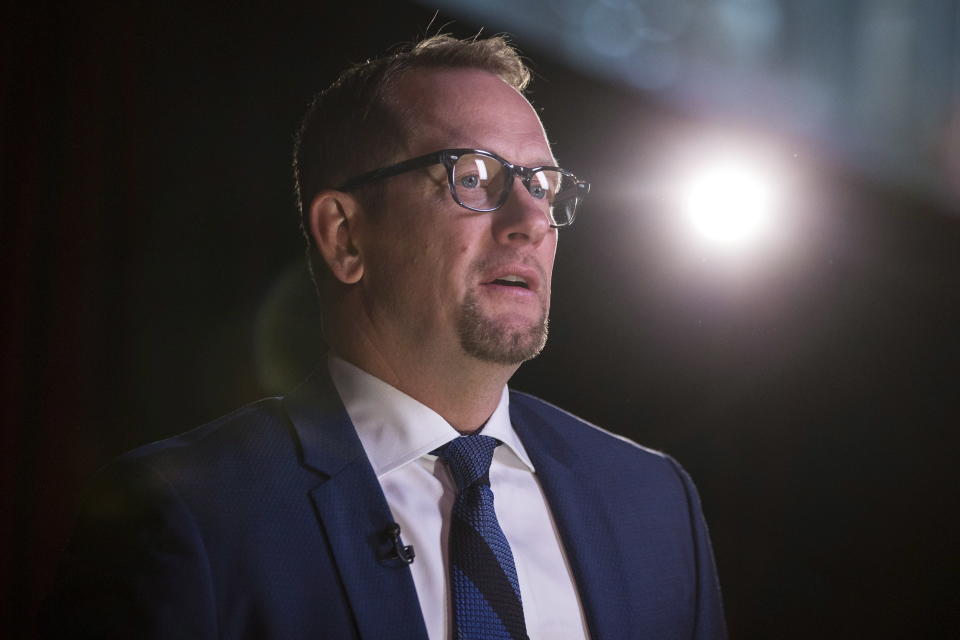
<point x="270" y="523"/>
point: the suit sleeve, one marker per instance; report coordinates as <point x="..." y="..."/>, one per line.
<point x="135" y="567"/>
<point x="710" y="623"/>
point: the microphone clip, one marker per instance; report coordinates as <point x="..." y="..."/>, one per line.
<point x="399" y="551"/>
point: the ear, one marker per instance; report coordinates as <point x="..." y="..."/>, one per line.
<point x="332" y="218"/>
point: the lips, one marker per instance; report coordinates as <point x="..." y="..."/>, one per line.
<point x="511" y="281"/>
<point x="520" y="276"/>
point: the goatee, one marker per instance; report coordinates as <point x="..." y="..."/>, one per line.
<point x="485" y="339"/>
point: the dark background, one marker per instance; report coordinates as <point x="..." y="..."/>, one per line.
<point x="154" y="280"/>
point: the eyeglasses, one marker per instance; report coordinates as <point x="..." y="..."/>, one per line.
<point x="481" y="181"/>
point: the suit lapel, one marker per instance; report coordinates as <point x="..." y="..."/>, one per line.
<point x="584" y="520"/>
<point x="354" y="514"/>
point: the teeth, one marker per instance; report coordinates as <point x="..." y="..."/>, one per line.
<point x="513" y="278"/>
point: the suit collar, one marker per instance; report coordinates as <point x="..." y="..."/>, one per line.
<point x="536" y="433"/>
<point x="353" y="514"/>
<point x="583" y="516"/>
<point x="327" y="438"/>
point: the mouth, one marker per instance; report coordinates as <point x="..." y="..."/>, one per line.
<point x="514" y="276"/>
<point x="510" y="280"/>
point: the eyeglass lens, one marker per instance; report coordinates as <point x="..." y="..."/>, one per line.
<point x="480" y="181"/>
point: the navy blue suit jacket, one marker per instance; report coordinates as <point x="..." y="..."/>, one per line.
<point x="270" y="523"/>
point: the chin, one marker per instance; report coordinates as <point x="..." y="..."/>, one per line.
<point x="499" y="341"/>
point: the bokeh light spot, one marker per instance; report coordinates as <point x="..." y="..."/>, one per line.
<point x="729" y="204"/>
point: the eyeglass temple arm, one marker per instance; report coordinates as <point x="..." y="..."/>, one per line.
<point x="392" y="170"/>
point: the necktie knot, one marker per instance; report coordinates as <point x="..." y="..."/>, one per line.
<point x="468" y="458"/>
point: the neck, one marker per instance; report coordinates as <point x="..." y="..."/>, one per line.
<point x="463" y="390"/>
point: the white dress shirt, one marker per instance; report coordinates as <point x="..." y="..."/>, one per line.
<point x="398" y="433"/>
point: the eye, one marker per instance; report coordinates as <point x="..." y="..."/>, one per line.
<point x="470" y="182"/>
<point x="538" y="191"/>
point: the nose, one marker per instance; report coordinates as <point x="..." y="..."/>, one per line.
<point x="522" y="219"/>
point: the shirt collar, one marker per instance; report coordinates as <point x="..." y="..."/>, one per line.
<point x="395" y="429"/>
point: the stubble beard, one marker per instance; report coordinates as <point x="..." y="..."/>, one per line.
<point x="483" y="338"/>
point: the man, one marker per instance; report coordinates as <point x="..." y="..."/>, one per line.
<point x="402" y="491"/>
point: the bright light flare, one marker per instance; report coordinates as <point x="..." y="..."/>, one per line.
<point x="730" y="203"/>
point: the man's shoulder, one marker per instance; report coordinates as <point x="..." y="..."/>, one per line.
<point x="588" y="436"/>
<point x="244" y="428"/>
<point x="599" y="457"/>
<point x="254" y="439"/>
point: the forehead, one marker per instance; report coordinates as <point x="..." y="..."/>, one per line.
<point x="470" y="108"/>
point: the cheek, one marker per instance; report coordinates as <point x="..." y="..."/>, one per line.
<point x="547" y="261"/>
<point x="455" y="263"/>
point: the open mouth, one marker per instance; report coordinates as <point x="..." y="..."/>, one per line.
<point x="511" y="281"/>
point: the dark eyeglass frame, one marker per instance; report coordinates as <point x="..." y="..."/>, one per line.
<point x="449" y="157"/>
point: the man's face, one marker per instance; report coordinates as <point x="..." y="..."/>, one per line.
<point x="438" y="275"/>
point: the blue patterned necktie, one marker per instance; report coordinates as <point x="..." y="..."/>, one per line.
<point x="483" y="577"/>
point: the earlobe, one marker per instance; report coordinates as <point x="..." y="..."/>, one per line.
<point x="332" y="219"/>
